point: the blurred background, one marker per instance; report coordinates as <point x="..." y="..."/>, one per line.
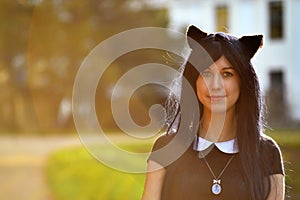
<point x="44" y="42"/>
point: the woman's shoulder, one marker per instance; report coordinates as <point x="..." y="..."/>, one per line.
<point x="165" y="150"/>
<point x="271" y="154"/>
<point x="163" y="140"/>
<point x="268" y="143"/>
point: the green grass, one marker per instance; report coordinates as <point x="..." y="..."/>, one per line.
<point x="286" y="138"/>
<point x="73" y="174"/>
<point x="289" y="142"/>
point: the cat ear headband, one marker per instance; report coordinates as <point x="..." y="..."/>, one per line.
<point x="250" y="44"/>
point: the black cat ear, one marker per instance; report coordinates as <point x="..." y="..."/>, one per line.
<point x="252" y="43"/>
<point x="194" y="34"/>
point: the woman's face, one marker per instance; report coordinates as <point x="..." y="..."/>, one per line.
<point x="218" y="87"/>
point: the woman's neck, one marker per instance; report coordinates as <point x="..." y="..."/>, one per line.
<point x="218" y="127"/>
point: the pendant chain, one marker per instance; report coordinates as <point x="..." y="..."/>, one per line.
<point x="211" y="171"/>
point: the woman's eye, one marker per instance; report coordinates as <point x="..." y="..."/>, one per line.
<point x="206" y="74"/>
<point x="227" y="74"/>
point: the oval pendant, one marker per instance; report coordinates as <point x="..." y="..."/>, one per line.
<point x="216" y="189"/>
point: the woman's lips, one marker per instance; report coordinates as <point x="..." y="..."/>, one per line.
<point x="215" y="98"/>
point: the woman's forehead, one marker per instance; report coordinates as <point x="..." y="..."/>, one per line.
<point x="221" y="63"/>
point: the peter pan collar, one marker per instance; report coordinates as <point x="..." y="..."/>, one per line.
<point x="230" y="146"/>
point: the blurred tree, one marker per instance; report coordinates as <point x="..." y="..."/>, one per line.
<point x="16" y="106"/>
<point x="61" y="34"/>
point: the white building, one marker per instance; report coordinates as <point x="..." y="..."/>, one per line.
<point x="278" y="63"/>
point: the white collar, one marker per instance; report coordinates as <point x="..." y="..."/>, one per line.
<point x="230" y="146"/>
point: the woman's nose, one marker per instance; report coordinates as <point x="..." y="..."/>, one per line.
<point x="216" y="82"/>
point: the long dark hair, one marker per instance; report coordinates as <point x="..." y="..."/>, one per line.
<point x="249" y="106"/>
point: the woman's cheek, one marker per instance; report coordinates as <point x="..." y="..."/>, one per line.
<point x="201" y="90"/>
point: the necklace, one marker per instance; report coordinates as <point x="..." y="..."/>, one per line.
<point x="216" y="187"/>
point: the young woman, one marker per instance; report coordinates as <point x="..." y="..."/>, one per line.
<point x="229" y="157"/>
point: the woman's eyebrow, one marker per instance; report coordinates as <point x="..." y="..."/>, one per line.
<point x="225" y="68"/>
<point x="207" y="69"/>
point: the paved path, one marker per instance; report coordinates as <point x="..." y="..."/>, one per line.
<point x="22" y="164"/>
<point x="23" y="160"/>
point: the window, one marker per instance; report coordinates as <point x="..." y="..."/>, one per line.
<point x="275" y="99"/>
<point x="222" y="18"/>
<point x="276" y="19"/>
<point x="276" y="78"/>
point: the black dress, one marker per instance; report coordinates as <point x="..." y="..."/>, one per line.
<point x="189" y="178"/>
